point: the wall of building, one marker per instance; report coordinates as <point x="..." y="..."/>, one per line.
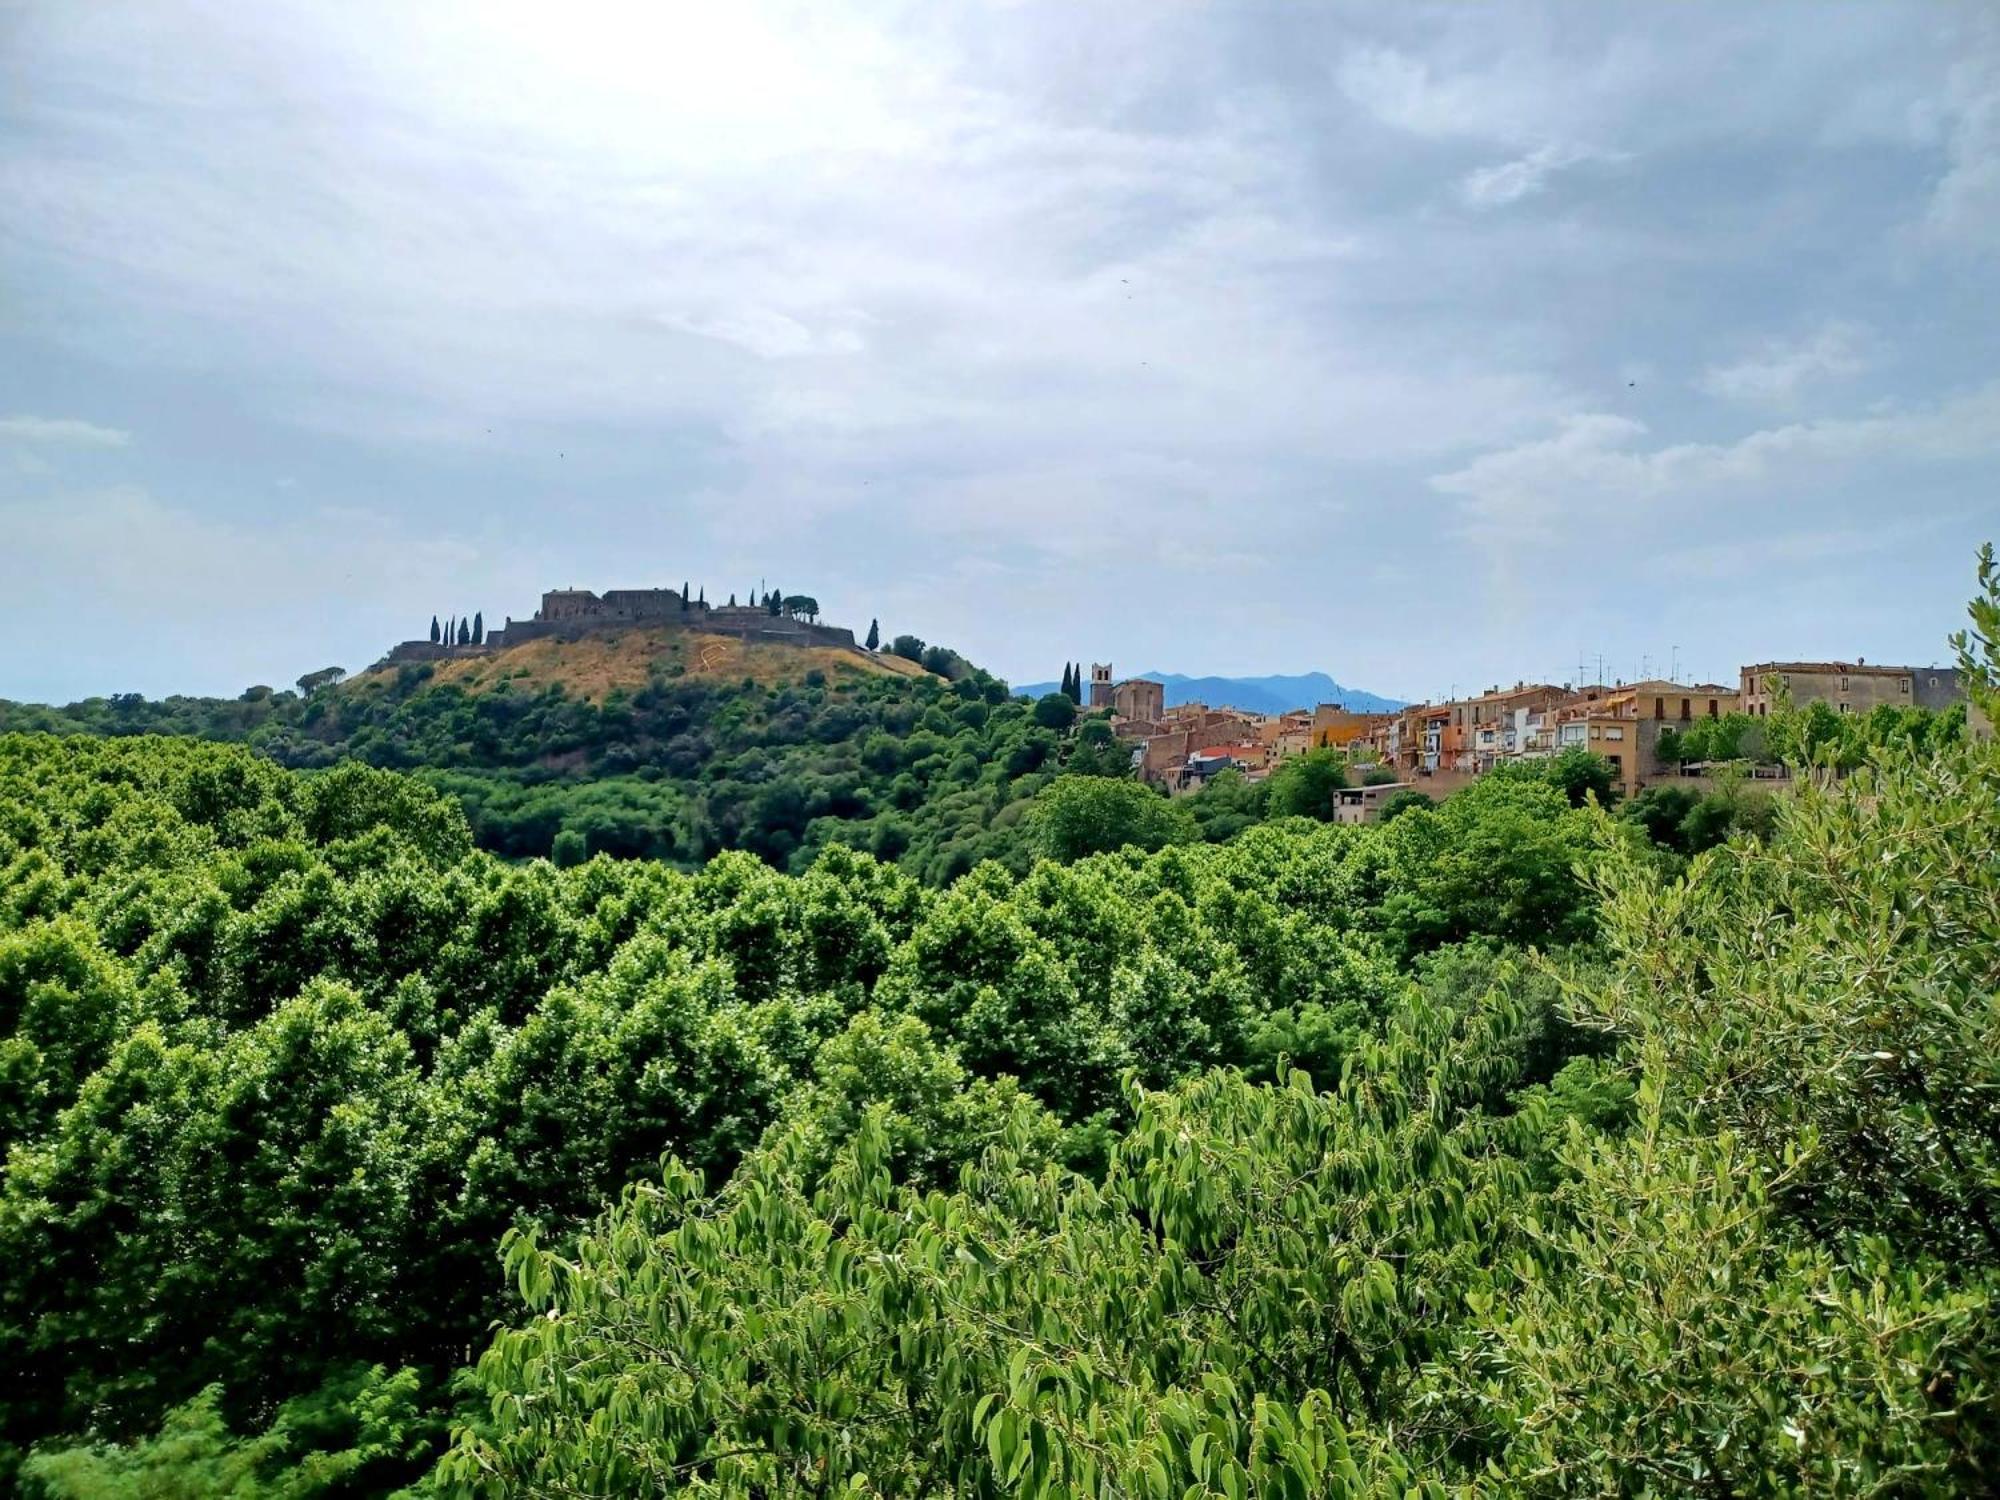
<point x="1850" y="687"/>
<point x="1138" y="698"/>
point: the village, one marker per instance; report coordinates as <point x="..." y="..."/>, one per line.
<point x="1437" y="748"/>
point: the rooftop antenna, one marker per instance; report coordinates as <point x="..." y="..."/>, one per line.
<point x="1675" y="674"/>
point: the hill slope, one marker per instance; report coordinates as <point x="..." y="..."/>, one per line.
<point x="596" y="665"/>
<point x="661" y="743"/>
<point x="1265" y="695"/>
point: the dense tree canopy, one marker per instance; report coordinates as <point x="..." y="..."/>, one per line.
<point x="1512" y="1146"/>
<point x="932" y="774"/>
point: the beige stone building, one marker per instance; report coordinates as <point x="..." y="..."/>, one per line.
<point x="1850" y="687"/>
<point x="1139" y="698"/>
<point x="1363" y="804"/>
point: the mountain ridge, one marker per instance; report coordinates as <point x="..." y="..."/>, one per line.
<point x="1273" y="694"/>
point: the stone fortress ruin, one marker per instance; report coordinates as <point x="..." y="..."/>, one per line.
<point x="571" y="614"/>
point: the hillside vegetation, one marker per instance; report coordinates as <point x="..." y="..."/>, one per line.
<point x="668" y="745"/>
<point x="1493" y="1149"/>
<point x="1484" y="1150"/>
<point x="592" y="667"/>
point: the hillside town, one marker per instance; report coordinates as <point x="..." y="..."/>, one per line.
<point x="1439" y="747"/>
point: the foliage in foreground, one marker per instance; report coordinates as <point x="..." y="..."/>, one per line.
<point x="284" y="1058"/>
<point x="1495" y="1149"/>
<point x="1779" y="1278"/>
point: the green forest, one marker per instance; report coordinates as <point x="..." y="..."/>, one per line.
<point x="929" y="773"/>
<point x="1511" y="1145"/>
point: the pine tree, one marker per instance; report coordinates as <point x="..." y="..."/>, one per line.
<point x="436" y="633"/>
<point x="874" y="635"/>
<point x="478" y="628"/>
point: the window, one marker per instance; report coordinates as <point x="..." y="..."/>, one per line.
<point x="1905" y="686"/>
<point x="1846" y="707"/>
<point x="1614" y="734"/>
<point x="1659" y="708"/>
<point x="1684" y="709"/>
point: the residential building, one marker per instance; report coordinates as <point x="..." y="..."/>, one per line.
<point x="1336" y="727"/>
<point x="1849" y="687"/>
<point x="1624" y="726"/>
<point x="1363" y="804"/>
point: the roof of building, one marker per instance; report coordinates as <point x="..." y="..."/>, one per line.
<point x="1851" y="668"/>
<point x="1518" y="690"/>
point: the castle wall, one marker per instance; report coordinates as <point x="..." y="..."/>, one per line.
<point x="430" y="651"/>
<point x="570" y="614"/>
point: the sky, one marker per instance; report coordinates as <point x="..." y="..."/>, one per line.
<point x="1429" y="347"/>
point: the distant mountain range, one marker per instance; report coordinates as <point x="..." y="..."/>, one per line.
<point x="1264" y="695"/>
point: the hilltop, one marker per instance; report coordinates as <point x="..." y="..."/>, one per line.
<point x="591" y="667"/>
<point x="658" y="739"/>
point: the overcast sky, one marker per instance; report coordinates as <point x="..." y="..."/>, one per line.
<point x="1423" y="347"/>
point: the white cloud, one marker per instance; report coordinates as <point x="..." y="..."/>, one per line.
<point x="1593" y="479"/>
<point x="60" y="432"/>
<point x="1511" y="181"/>
<point x="1782" y="369"/>
<point x="770" y="334"/>
<point x="1505" y="98"/>
<point x="1965" y="205"/>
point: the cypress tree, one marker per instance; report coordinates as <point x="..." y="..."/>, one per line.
<point x="874" y="635"/>
<point x="1064" y="689"/>
<point x="704" y="595"/>
<point x="773" y="602"/>
<point x="478" y="628"/>
<point x="435" y="632"/>
<point x="732" y="601"/>
<point x="464" y="632"/>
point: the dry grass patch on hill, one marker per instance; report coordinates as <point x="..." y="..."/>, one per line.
<point x="594" y="666"/>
